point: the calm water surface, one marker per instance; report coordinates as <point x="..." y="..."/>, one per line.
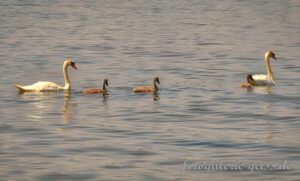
<point x="201" y="50"/>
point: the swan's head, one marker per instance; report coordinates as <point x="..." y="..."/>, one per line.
<point x="156" y="79"/>
<point x="69" y="62"/>
<point x="105" y="82"/>
<point x="270" y="54"/>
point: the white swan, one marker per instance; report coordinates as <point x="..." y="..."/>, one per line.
<point x="44" y="86"/>
<point x="261" y="79"/>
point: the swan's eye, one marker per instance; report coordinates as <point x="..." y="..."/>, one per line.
<point x="72" y="63"/>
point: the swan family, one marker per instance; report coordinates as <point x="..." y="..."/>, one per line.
<point x="46" y="86"/>
<point x="262" y="79"/>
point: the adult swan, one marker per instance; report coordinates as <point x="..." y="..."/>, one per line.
<point x="261" y="79"/>
<point x="43" y="86"/>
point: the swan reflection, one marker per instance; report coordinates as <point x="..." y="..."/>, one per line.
<point x="66" y="107"/>
<point x="40" y="104"/>
<point x="261" y="89"/>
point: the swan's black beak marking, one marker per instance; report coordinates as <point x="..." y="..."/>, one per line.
<point x="74" y="65"/>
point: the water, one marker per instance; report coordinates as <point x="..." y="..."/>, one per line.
<point x="201" y="50"/>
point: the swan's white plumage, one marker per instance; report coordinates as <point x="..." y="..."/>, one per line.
<point x="262" y="79"/>
<point x="41" y="86"/>
<point x="44" y="86"/>
<point x="260" y="82"/>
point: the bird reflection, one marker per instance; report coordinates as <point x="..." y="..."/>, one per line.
<point x="66" y="107"/>
<point x="269" y="126"/>
<point x="156" y="96"/>
<point x="261" y="89"/>
<point x="38" y="107"/>
<point x="105" y="97"/>
<point x="41" y="103"/>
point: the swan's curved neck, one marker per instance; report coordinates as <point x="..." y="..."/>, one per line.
<point x="66" y="77"/>
<point x="268" y="66"/>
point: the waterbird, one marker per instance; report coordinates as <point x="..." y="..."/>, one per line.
<point x="262" y="79"/>
<point x="146" y="89"/>
<point x="44" y="86"/>
<point x="97" y="90"/>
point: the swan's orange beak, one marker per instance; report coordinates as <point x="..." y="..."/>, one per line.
<point x="74" y="65"/>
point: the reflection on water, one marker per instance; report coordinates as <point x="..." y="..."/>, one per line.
<point x="66" y="107"/>
<point x="105" y="97"/>
<point x="267" y="107"/>
<point x="39" y="104"/>
<point x="269" y="132"/>
<point x="260" y="89"/>
<point x="42" y="104"/>
<point x="156" y="96"/>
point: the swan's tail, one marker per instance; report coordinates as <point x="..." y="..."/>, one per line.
<point x="20" y="88"/>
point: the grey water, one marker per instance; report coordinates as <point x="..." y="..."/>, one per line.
<point x="200" y="49"/>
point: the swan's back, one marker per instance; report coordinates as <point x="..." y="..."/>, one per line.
<point x="48" y="86"/>
<point x="260" y="77"/>
<point x="40" y="87"/>
<point x="262" y="80"/>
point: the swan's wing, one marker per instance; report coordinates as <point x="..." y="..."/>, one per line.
<point x="43" y="86"/>
<point x="48" y="86"/>
<point x="262" y="80"/>
<point x="258" y="77"/>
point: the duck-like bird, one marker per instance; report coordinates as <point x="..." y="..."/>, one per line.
<point x="250" y="82"/>
<point x="145" y="89"/>
<point x="97" y="90"/>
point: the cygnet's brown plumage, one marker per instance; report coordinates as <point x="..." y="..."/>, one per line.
<point x="145" y="89"/>
<point x="97" y="90"/>
<point x="250" y="82"/>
